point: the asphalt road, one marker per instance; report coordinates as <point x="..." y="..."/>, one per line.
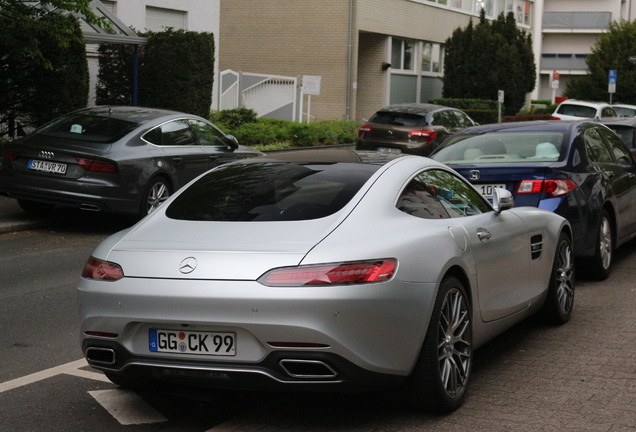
<point x="577" y="377"/>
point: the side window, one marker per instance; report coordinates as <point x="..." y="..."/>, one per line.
<point x="620" y="152"/>
<point x="436" y="194"/>
<point x="595" y="147"/>
<point x="207" y="134"/>
<point x="462" y="119"/>
<point x="172" y="133"/>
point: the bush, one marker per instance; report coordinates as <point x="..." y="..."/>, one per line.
<point x="284" y="133"/>
<point x="177" y="71"/>
<point x="232" y="119"/>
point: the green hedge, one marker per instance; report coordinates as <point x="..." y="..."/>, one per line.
<point x="266" y="133"/>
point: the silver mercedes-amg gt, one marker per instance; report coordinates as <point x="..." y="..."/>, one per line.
<point x="322" y="269"/>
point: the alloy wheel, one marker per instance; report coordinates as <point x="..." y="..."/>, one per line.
<point x="454" y="343"/>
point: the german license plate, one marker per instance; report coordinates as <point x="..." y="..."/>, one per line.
<point x="47" y="166"/>
<point x="487" y="190"/>
<point x="192" y="342"/>
<point x="389" y="150"/>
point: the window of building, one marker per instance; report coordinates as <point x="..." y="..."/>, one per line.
<point x="432" y="57"/>
<point x="159" y="19"/>
<point x="402" y="54"/>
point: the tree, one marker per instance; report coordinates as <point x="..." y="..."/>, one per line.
<point x="177" y="71"/>
<point x="611" y="51"/>
<point x="29" y="29"/>
<point x="114" y="77"/>
<point x="480" y="60"/>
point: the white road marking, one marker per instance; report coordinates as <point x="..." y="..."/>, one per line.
<point x="127" y="407"/>
<point x="95" y="376"/>
<point x="39" y="376"/>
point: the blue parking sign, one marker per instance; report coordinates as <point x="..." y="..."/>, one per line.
<point x="612" y="76"/>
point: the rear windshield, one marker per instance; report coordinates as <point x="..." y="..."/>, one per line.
<point x="577" y="110"/>
<point x="271" y="190"/>
<point x="503" y="147"/>
<point x="398" y="119"/>
<point x="95" y="129"/>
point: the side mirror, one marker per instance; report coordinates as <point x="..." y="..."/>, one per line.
<point x="232" y="142"/>
<point x="502" y="200"/>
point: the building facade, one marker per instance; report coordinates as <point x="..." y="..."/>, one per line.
<point x="350" y="45"/>
<point x="567" y="33"/>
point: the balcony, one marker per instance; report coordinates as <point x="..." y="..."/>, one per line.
<point x="580" y="22"/>
<point x="563" y="62"/>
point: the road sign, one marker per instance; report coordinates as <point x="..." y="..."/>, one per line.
<point x="612" y="81"/>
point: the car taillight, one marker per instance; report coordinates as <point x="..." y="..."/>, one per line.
<point x="428" y="135"/>
<point x="102" y="270"/>
<point x="97" y="166"/>
<point x="10" y="154"/>
<point x="363" y="129"/>
<point x="553" y="188"/>
<point x="331" y="274"/>
<point x="554" y="118"/>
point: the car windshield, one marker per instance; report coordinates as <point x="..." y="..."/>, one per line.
<point x="503" y="147"/>
<point x="87" y="128"/>
<point x="271" y="190"/>
<point x="398" y="119"/>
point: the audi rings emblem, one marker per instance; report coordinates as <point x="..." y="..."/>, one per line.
<point x="47" y="154"/>
<point x="188" y="265"/>
<point x="473" y="175"/>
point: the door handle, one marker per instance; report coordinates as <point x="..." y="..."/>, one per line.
<point x="483" y="234"/>
<point x="177" y="161"/>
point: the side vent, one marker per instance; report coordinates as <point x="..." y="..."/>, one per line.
<point x="536" y="246"/>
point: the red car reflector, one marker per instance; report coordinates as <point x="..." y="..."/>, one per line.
<point x="10" y="154"/>
<point x="553" y="188"/>
<point x="331" y="274"/>
<point x="428" y="135"/>
<point x="97" y="166"/>
<point x="101" y="334"/>
<point x="102" y="270"/>
<point x="297" y="345"/>
<point x="363" y="129"/>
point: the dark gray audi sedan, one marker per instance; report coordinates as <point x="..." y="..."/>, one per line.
<point x="113" y="158"/>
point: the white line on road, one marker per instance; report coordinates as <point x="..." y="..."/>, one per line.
<point x="127" y="407"/>
<point x="39" y="376"/>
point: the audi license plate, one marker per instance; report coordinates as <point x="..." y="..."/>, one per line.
<point x="487" y="190"/>
<point x="389" y="150"/>
<point x="192" y="342"/>
<point x="46" y="166"/>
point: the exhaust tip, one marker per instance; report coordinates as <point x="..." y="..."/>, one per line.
<point x="104" y="356"/>
<point x="307" y="368"/>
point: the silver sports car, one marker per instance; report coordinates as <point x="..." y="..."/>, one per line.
<point x="318" y="270"/>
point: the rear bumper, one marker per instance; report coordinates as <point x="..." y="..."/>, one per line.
<point x="280" y="370"/>
<point x="94" y="196"/>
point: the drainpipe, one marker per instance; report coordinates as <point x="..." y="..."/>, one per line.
<point x="349" y="81"/>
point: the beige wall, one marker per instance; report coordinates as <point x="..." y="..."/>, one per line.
<point x="290" y="38"/>
<point x="311" y="37"/>
<point x="409" y="19"/>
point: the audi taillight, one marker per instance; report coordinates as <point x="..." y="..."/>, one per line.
<point x="553" y="188"/>
<point x="364" y="129"/>
<point x="102" y="270"/>
<point x="427" y="135"/>
<point x="93" y="165"/>
<point x="10" y="154"/>
<point x="360" y="272"/>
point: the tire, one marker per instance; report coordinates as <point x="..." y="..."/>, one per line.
<point x="601" y="264"/>
<point x="442" y="373"/>
<point x="557" y="308"/>
<point x="35" y="207"/>
<point x="157" y="192"/>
